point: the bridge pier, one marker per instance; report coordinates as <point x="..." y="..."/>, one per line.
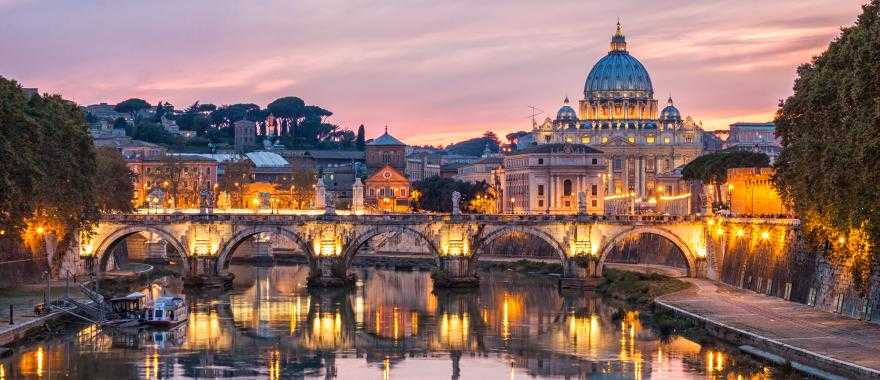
<point x="203" y="274"/>
<point x="329" y="272"/>
<point x="580" y="272"/>
<point x="456" y="272"/>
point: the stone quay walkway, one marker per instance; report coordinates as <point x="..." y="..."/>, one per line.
<point x="796" y="332"/>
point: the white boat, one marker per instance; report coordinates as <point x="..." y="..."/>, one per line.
<point x="166" y="311"/>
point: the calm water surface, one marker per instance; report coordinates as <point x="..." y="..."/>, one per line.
<point x="394" y="325"/>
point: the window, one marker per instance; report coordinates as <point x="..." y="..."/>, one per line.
<point x="649" y="140"/>
<point x="569" y="139"/>
<point x="689" y="138"/>
<point x="566" y="188"/>
<point x="585" y="139"/>
<point x="595" y="203"/>
<point x="631" y="139"/>
<point x="604" y="139"/>
<point x="540" y="161"/>
<point x="595" y="161"/>
<point x="540" y="190"/>
<point x="594" y="190"/>
<point x="667" y="140"/>
<point x="540" y="203"/>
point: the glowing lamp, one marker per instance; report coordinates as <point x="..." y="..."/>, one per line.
<point x="765" y="235"/>
<point x="730" y="187"/>
<point x="719" y="231"/>
<point x="841" y="240"/>
<point x="41" y="230"/>
<point x="740" y="232"/>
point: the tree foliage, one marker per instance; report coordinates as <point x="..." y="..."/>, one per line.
<point x="132" y="107"/>
<point x="236" y="175"/>
<point x="114" y="182"/>
<point x="435" y="193"/>
<point x="712" y="168"/>
<point x="829" y="167"/>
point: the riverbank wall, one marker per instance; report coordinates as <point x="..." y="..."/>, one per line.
<point x="780" y="264"/>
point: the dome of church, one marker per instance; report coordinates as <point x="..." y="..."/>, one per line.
<point x="566" y="112"/>
<point x="670" y="112"/>
<point x="618" y="72"/>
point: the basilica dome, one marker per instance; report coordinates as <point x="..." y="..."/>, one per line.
<point x="566" y="112"/>
<point x="670" y="112"/>
<point x="618" y="74"/>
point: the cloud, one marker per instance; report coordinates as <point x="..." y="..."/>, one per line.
<point x="433" y="71"/>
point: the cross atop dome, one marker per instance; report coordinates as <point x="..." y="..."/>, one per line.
<point x="618" y="41"/>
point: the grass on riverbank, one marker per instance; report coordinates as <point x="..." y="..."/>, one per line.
<point x="637" y="289"/>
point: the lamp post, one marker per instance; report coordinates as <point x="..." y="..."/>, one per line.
<point x="512" y="205"/>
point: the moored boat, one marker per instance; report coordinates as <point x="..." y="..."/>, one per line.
<point x="166" y="311"/>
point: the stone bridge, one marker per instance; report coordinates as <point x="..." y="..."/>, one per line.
<point x="205" y="243"/>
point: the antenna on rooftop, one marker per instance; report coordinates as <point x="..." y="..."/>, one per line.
<point x="535" y="112"/>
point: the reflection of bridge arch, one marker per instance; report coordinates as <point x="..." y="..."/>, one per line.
<point x="102" y="252"/>
<point x="364" y="236"/>
<point x="537" y="232"/>
<point x="241" y="236"/>
<point x="689" y="256"/>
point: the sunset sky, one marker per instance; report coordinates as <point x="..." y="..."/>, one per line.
<point x="434" y="71"/>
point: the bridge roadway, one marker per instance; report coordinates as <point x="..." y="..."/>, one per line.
<point x="205" y="242"/>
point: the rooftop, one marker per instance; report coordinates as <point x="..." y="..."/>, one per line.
<point x="557" y="148"/>
<point x="386" y="140"/>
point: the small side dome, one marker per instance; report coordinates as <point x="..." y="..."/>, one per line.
<point x="566" y="112"/>
<point x="670" y="113"/>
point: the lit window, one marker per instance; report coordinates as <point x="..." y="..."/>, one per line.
<point x="569" y="139"/>
<point x="585" y="139"/>
<point x="649" y="139"/>
<point x="631" y="139"/>
<point x="604" y="139"/>
<point x="667" y="140"/>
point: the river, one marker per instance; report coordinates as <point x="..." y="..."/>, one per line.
<point x="393" y="325"/>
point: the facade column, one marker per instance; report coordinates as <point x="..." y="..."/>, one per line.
<point x="642" y="192"/>
<point x="610" y="175"/>
<point x="625" y="175"/>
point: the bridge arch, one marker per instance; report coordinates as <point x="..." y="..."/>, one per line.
<point x="364" y="235"/>
<point x="228" y="248"/>
<point x="102" y="252"/>
<point x="532" y="231"/>
<point x="689" y="256"/>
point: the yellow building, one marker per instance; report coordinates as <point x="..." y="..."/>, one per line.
<point x="751" y="192"/>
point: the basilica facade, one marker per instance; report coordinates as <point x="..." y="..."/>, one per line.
<point x="619" y="117"/>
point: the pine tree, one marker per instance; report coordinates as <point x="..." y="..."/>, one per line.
<point x="360" y="141"/>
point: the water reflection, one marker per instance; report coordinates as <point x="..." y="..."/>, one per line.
<point x="392" y="325"/>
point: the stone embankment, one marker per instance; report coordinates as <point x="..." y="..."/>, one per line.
<point x="819" y="343"/>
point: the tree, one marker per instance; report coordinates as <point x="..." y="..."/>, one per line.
<point x="435" y="194"/>
<point x="65" y="193"/>
<point x="711" y="169"/>
<point x="120" y="123"/>
<point x="829" y="167"/>
<point x="360" y="141"/>
<point x="114" y="182"/>
<point x="301" y="187"/>
<point x="132" y="107"/>
<point x="170" y="176"/>
<point x="236" y="174"/>
<point x="491" y="136"/>
<point x="20" y="164"/>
